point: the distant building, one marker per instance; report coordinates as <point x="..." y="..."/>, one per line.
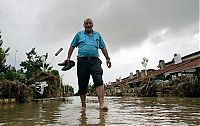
<point x="188" y="65"/>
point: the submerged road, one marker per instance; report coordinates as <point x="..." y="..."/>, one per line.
<point x="123" y="111"/>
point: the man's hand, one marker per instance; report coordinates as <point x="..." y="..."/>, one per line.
<point x="105" y="53"/>
<point x="108" y="63"/>
<point x="67" y="60"/>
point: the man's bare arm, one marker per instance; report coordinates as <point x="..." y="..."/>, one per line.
<point x="70" y="51"/>
<point x="105" y="53"/>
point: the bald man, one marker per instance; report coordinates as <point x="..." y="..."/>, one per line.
<point x="89" y="42"/>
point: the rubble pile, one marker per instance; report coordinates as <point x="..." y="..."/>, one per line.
<point x="15" y="89"/>
<point x="53" y="82"/>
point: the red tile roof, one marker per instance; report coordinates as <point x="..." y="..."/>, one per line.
<point x="188" y="64"/>
<point x="194" y="63"/>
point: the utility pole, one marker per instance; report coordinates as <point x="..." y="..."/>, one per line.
<point x="15" y="58"/>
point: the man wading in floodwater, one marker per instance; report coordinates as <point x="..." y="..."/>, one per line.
<point x="88" y="42"/>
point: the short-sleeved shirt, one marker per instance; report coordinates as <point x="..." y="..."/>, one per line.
<point x="88" y="45"/>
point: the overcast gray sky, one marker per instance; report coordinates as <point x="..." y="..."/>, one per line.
<point x="132" y="29"/>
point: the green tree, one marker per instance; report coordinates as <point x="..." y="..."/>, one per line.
<point x="8" y="72"/>
<point x="55" y="72"/>
<point x="12" y="75"/>
<point x="34" y="63"/>
<point x="3" y="54"/>
<point x="91" y="89"/>
<point x="68" y="89"/>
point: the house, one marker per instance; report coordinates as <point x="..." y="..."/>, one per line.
<point x="188" y="65"/>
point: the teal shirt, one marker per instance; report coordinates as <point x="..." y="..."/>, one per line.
<point x="88" y="45"/>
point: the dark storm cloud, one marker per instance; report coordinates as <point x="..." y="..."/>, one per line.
<point x="131" y="22"/>
<point x="61" y="19"/>
<point x="122" y="23"/>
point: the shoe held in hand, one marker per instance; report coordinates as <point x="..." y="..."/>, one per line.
<point x="67" y="65"/>
<point x="63" y="63"/>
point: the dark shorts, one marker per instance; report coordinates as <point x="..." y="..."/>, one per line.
<point x="85" y="68"/>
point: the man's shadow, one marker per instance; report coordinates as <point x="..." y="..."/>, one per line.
<point x="84" y="120"/>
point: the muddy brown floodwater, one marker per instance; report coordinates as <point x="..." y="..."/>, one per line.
<point x="123" y="111"/>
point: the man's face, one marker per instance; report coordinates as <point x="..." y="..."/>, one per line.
<point x="88" y="24"/>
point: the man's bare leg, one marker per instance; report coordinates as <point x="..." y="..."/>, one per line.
<point x="83" y="100"/>
<point x="100" y="94"/>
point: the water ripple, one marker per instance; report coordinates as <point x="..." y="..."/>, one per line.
<point x="123" y="111"/>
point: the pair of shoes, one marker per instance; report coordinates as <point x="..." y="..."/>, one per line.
<point x="63" y="63"/>
<point x="67" y="65"/>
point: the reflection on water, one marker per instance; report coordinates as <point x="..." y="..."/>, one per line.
<point x="84" y="119"/>
<point x="122" y="111"/>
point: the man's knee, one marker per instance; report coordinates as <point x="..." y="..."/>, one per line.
<point x="98" y="84"/>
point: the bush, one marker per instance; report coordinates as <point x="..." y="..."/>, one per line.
<point x="15" y="89"/>
<point x="13" y="75"/>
